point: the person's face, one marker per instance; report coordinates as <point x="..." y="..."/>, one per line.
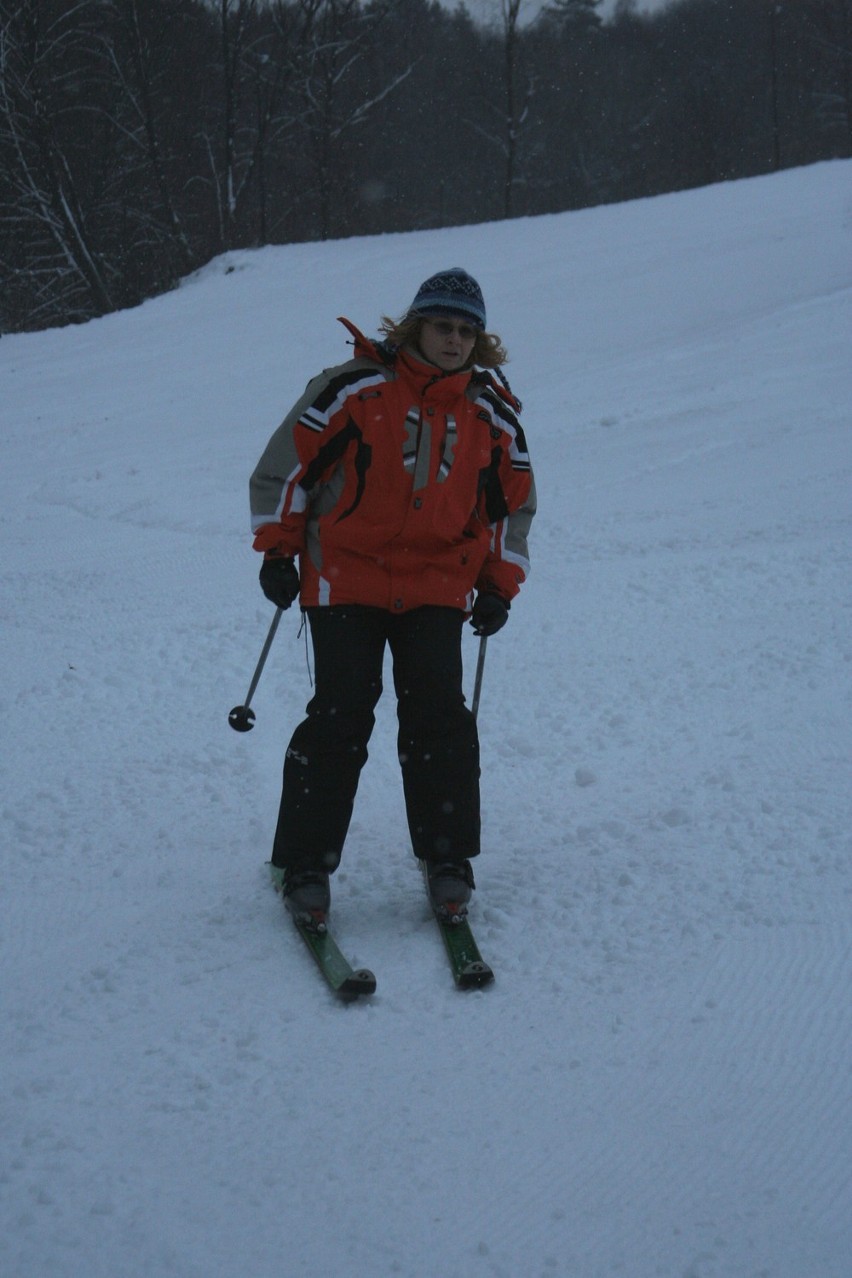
<point x="447" y="342"/>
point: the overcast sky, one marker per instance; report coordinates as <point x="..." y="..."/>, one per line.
<point x="487" y="9"/>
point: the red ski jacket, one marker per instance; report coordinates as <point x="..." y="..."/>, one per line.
<point x="397" y="485"/>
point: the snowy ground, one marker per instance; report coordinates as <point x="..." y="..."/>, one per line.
<point x="660" y="1081"/>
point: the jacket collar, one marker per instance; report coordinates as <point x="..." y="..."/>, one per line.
<point x="420" y="374"/>
<point x="428" y="377"/>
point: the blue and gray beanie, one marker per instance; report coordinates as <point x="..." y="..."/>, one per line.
<point x="451" y="292"/>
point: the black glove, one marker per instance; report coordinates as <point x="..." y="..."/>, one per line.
<point x="279" y="581"/>
<point x="490" y="614"/>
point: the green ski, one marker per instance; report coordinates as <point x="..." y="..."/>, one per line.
<point x="341" y="977"/>
<point x="470" y="971"/>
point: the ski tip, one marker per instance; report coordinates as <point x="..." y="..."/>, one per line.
<point x="360" y="982"/>
<point x="474" y="976"/>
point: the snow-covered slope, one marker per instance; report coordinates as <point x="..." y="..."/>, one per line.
<point x="659" y="1081"/>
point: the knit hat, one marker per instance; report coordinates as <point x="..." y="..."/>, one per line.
<point x="451" y="292"/>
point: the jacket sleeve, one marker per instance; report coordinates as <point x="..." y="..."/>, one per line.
<point x="300" y="456"/>
<point x="507" y="503"/>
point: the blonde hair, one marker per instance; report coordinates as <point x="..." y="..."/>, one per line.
<point x="488" y="350"/>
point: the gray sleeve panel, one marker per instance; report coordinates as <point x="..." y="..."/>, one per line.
<point x="280" y="461"/>
<point x="515" y="547"/>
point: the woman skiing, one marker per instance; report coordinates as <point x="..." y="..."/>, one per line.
<point x="400" y="481"/>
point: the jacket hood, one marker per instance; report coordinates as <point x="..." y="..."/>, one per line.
<point x="365" y="348"/>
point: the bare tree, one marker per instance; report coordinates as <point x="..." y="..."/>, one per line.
<point x="335" y="92"/>
<point x="565" y="44"/>
<point x="235" y="20"/>
<point x="507" y="100"/>
<point x="47" y="58"/>
<point x="135" y="53"/>
<point x="828" y="32"/>
<point x="515" y="112"/>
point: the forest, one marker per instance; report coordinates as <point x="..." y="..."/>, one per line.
<point x="141" y="138"/>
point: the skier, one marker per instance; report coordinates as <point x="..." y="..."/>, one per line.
<point x="400" y="482"/>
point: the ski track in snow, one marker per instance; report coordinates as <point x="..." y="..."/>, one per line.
<point x="659" y="1082"/>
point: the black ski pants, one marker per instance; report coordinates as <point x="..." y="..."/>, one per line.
<point x="437" y="740"/>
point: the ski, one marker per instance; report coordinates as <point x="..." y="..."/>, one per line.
<point x="469" y="969"/>
<point x="341" y="977"/>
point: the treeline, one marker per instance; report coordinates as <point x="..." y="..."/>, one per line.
<point x="139" y="138"/>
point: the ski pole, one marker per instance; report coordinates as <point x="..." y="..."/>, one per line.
<point x="477" y="683"/>
<point x="241" y="717"/>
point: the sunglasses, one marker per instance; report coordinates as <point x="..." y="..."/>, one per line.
<point x="445" y="327"/>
